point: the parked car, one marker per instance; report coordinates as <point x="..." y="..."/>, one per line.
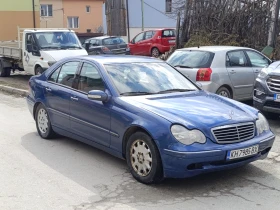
<point x="224" y="70"/>
<point x="106" y="45"/>
<point x="153" y="42"/>
<point x="267" y="91"/>
<point x="145" y="111"/>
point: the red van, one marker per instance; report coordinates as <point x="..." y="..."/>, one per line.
<point x="152" y="42"/>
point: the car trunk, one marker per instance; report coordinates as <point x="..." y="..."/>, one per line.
<point x="189" y="72"/>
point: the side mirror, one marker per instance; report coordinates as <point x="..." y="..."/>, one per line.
<point x="199" y="84"/>
<point x="132" y="41"/>
<point x="98" y="95"/>
<point x="35" y="48"/>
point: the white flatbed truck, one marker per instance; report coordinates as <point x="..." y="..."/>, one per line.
<point x="37" y="49"/>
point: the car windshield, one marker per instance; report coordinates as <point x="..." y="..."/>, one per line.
<point x="147" y="78"/>
<point x="113" y="41"/>
<point x="191" y="59"/>
<point x="58" y="40"/>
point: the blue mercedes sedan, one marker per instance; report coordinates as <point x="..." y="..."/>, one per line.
<point x="145" y="111"/>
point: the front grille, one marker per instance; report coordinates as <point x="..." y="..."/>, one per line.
<point x="234" y="133"/>
<point x="273" y="104"/>
<point x="273" y="83"/>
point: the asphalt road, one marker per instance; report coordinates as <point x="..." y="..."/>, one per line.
<point x="66" y="174"/>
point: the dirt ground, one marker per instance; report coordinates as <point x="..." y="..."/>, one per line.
<point x="16" y="80"/>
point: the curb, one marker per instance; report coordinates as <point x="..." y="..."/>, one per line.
<point x="13" y="90"/>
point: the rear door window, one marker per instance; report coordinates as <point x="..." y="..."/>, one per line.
<point x="191" y="59"/>
<point x="236" y="59"/>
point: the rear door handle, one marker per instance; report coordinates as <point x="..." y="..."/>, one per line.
<point x="48" y="89"/>
<point x="74" y="98"/>
<point x="233" y="72"/>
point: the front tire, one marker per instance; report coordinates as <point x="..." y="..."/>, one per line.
<point x="43" y="123"/>
<point x="143" y="159"/>
<point x="39" y="70"/>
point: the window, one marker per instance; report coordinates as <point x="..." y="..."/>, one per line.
<point x="168" y="5"/>
<point x="93" y="42"/>
<point x="54" y="75"/>
<point x="236" y="58"/>
<point x="46" y="10"/>
<point x="90" y="79"/>
<point x="139" y="38"/>
<point x="67" y="73"/>
<point x="113" y="41"/>
<point x="257" y="60"/>
<point x="87" y="9"/>
<point x="168" y="33"/>
<point x="29" y="42"/>
<point x="73" y="22"/>
<point x="149" y="34"/>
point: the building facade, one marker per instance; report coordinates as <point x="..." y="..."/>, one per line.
<point x="80" y="15"/>
<point x="156" y="14"/>
<point x="19" y="14"/>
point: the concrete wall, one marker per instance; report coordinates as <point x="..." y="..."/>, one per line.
<point x="17" y="13"/>
<point x="77" y="8"/>
<point x="56" y="21"/>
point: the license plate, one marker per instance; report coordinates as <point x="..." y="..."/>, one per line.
<point x="241" y="153"/>
<point x="171" y="41"/>
<point x="276" y="97"/>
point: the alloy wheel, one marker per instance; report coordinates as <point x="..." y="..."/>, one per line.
<point x="43" y="121"/>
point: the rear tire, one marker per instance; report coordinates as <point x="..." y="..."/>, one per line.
<point x="4" y="72"/>
<point x="43" y="123"/>
<point x="143" y="159"/>
<point x="155" y="52"/>
<point x="39" y="70"/>
<point x="223" y="91"/>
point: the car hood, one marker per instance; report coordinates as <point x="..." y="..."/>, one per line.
<point x="272" y="71"/>
<point x="198" y="109"/>
<point x="60" y="54"/>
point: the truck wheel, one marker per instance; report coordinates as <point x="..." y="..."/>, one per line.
<point x="39" y="70"/>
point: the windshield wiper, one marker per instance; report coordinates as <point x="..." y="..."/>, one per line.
<point x="175" y="90"/>
<point x="71" y="47"/>
<point x="182" y="66"/>
<point x="135" y="93"/>
<point x="52" y="47"/>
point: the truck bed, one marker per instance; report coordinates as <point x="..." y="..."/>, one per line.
<point x="10" y="49"/>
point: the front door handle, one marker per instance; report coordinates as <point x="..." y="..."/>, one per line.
<point x="233" y="72"/>
<point x="257" y="71"/>
<point x="48" y="89"/>
<point x="74" y="98"/>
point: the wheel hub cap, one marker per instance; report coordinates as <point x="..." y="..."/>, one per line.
<point x="43" y="121"/>
<point x="141" y="158"/>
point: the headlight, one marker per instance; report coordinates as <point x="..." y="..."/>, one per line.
<point x="51" y="63"/>
<point x="262" y="124"/>
<point x="186" y="136"/>
<point x="263" y="73"/>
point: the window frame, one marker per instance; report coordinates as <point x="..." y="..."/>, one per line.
<point x="73" y="22"/>
<point x="153" y="34"/>
<point x="139" y="35"/>
<point x="47" y="10"/>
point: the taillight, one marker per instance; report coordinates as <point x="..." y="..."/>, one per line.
<point x="204" y="74"/>
<point x="105" y="49"/>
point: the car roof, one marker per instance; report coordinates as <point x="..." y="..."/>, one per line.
<point x="106" y="59"/>
<point x="215" y="48"/>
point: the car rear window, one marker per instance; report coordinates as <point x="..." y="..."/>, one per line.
<point x="168" y="33"/>
<point x="113" y="41"/>
<point x="191" y="59"/>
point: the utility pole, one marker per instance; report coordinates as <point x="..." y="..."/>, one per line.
<point x="142" y="10"/>
<point x="273" y="25"/>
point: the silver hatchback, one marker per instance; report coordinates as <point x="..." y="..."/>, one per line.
<point x="224" y="70"/>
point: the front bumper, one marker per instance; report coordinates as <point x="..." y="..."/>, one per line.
<point x="179" y="164"/>
<point x="263" y="98"/>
